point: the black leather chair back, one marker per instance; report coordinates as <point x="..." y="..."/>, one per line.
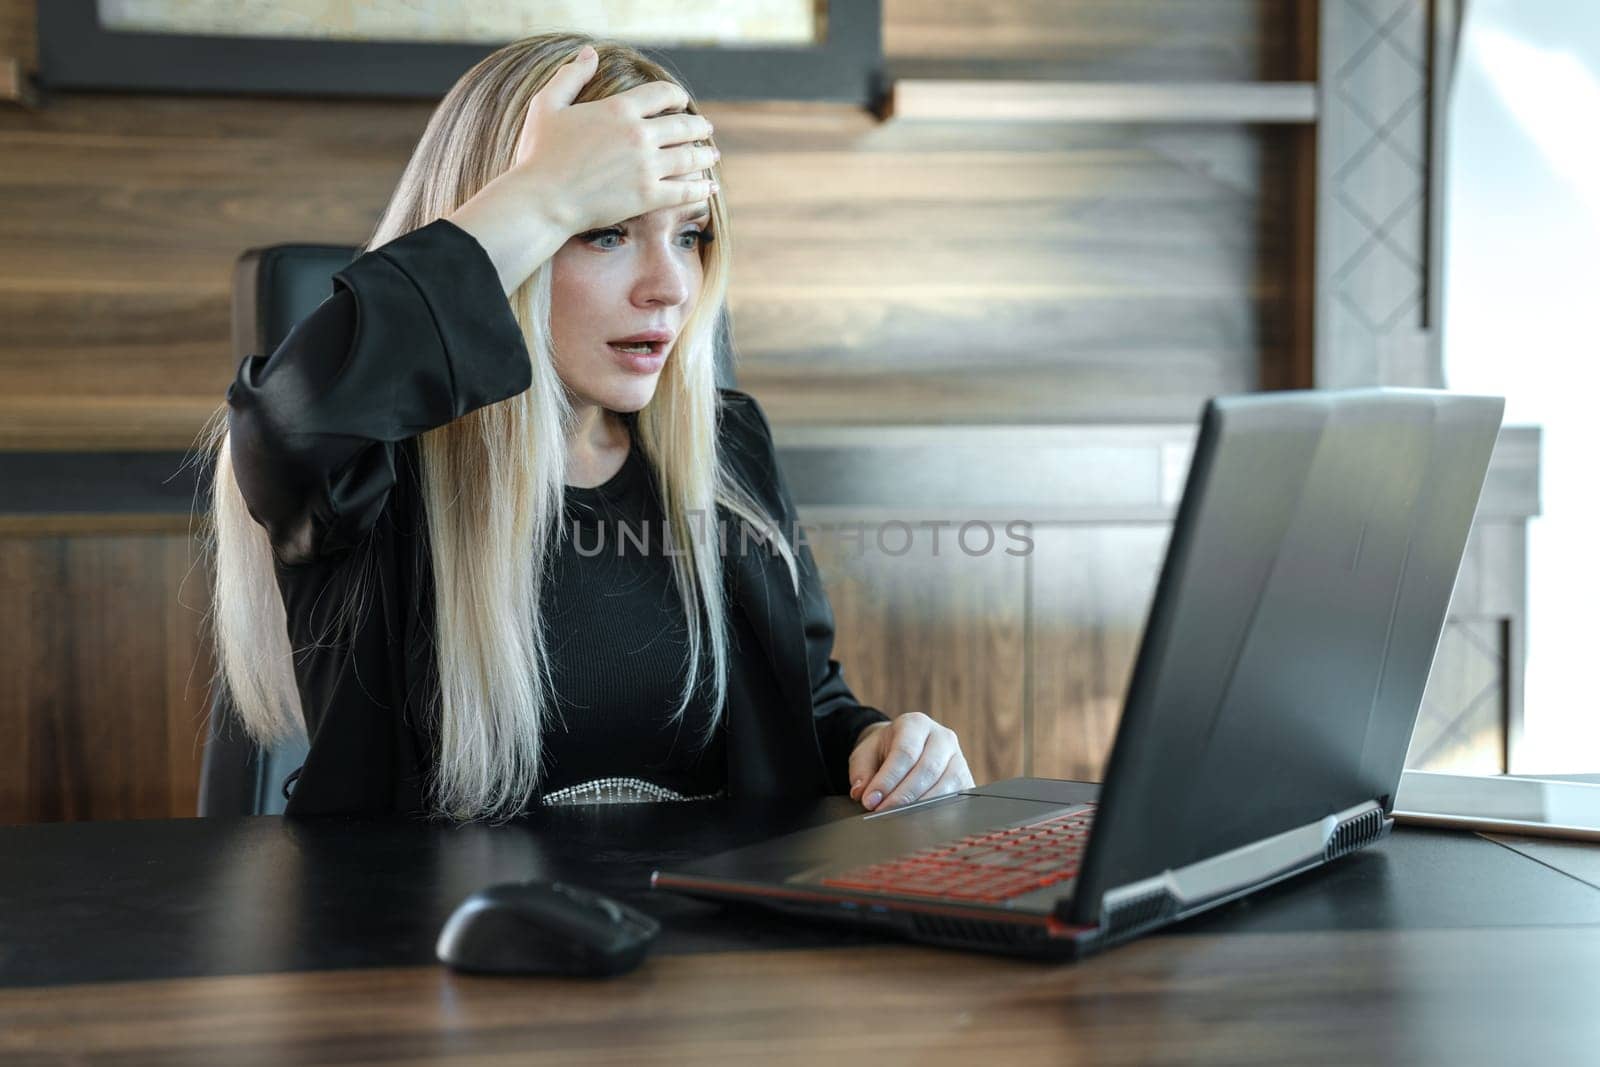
<point x="273" y="288"/>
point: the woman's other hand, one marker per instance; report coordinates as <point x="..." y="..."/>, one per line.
<point x="909" y="758"/>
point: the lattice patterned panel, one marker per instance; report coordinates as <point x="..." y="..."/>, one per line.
<point x="1461" y="728"/>
<point x="1373" y="225"/>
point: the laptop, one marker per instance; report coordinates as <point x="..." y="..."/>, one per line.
<point x="1267" y="717"/>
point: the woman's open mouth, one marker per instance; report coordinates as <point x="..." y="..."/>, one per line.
<point x="642" y="348"/>
<point x="644" y="357"/>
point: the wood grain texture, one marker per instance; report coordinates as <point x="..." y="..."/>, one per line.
<point x="941" y="634"/>
<point x="1294" y="367"/>
<point x="1026" y="657"/>
<point x="85" y="422"/>
<point x="946" y="273"/>
<point x="1108" y="40"/>
<point x="18" y="33"/>
<point x="1091" y="592"/>
<point x="961" y="272"/>
<point x="106" y="677"/>
<point x="92" y="523"/>
<point x="1481" y="996"/>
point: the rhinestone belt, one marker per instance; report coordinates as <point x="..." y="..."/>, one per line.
<point x="619" y="791"/>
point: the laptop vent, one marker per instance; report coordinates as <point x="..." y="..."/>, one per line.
<point x="969" y="932"/>
<point x="1354" y="833"/>
<point x="1129" y="915"/>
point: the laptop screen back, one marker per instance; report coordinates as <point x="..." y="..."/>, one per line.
<point x="1294" y="623"/>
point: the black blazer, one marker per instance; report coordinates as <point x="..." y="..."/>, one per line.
<point x="418" y="333"/>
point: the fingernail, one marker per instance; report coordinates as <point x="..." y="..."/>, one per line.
<point x="873" y="798"/>
<point x="587" y="52"/>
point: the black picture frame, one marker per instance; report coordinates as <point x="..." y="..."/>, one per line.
<point x="77" y="54"/>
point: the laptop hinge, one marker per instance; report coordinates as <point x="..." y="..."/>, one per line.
<point x="1156" y="900"/>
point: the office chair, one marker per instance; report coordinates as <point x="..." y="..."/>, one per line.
<point x="275" y="287"/>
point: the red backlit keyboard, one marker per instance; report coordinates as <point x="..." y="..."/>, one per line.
<point x="991" y="866"/>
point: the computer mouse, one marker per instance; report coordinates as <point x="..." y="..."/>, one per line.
<point x="545" y="927"/>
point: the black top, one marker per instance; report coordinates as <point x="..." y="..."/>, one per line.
<point x="323" y="437"/>
<point x="619" y="647"/>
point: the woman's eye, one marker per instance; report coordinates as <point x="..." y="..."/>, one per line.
<point x="700" y="237"/>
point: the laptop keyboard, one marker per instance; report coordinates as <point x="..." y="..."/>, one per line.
<point x="993" y="866"/>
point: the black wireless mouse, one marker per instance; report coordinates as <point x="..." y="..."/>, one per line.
<point x="539" y="927"/>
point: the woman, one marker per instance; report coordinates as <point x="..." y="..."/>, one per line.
<point x="391" y="572"/>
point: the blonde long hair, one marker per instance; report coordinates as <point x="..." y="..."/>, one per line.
<point x="493" y="482"/>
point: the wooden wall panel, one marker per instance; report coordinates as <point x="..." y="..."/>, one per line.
<point x="125" y="216"/>
<point x="105" y="681"/>
<point x="104" y="673"/>
<point x="17" y="32"/>
<point x="1092" y="587"/>
<point x="954" y="273"/>
<point x="26" y="621"/>
<point x="886" y="272"/>
<point x="1108" y="40"/>
<point x="938" y="634"/>
<point x="1002" y="274"/>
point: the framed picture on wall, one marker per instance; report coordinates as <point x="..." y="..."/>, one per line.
<point x="824" y="50"/>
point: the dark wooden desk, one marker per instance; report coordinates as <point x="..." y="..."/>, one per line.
<point x="269" y="941"/>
